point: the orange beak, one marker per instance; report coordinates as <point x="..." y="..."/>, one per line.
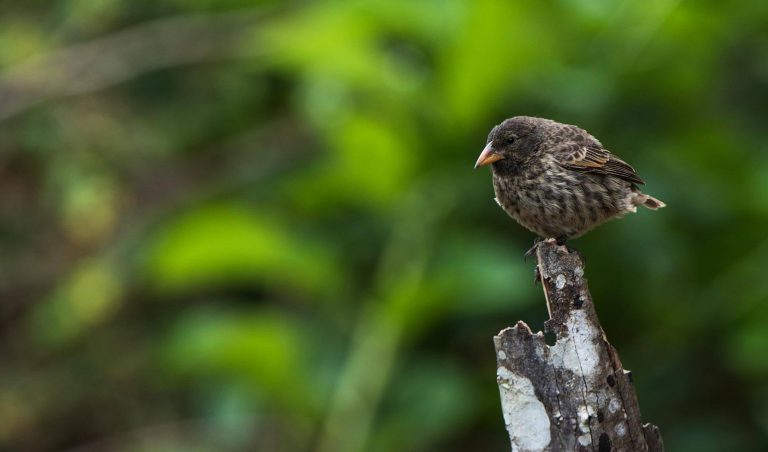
<point x="488" y="156"/>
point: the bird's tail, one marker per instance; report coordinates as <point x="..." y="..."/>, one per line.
<point x="641" y="199"/>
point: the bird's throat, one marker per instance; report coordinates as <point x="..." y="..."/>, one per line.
<point x="507" y="166"/>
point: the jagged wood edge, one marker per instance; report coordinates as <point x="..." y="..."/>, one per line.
<point x="591" y="420"/>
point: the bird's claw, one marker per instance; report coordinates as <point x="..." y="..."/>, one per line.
<point x="531" y="251"/>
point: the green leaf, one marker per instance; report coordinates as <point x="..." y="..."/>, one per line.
<point x="230" y="244"/>
<point x="265" y="351"/>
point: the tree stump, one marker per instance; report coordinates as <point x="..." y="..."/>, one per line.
<point x="573" y="395"/>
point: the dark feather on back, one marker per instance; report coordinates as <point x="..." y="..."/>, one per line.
<point x="592" y="158"/>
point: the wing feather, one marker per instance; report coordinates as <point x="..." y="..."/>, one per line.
<point x="592" y="158"/>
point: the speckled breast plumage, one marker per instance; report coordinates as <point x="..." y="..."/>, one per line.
<point x="554" y="202"/>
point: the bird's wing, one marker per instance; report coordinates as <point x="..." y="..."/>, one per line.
<point x="592" y="158"/>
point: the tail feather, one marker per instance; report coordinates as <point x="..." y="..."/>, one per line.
<point x="641" y="199"/>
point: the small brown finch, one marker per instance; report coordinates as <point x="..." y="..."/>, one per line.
<point x="556" y="180"/>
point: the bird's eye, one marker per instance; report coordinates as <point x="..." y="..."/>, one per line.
<point x="510" y="140"/>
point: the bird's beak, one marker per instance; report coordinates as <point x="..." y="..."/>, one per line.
<point x="488" y="156"/>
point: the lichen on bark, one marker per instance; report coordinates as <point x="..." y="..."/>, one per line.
<point x="578" y="384"/>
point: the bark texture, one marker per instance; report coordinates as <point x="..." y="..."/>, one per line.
<point x="573" y="395"/>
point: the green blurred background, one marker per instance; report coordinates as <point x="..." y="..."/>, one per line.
<point x="252" y="225"/>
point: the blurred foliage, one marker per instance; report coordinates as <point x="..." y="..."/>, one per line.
<point x="253" y="225"/>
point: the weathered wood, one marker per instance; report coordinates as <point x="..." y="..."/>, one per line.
<point x="573" y="395"/>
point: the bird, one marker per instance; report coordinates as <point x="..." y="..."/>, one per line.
<point x="557" y="180"/>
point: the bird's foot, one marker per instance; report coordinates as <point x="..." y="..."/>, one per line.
<point x="532" y="250"/>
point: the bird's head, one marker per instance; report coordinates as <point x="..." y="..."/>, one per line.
<point x="513" y="140"/>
